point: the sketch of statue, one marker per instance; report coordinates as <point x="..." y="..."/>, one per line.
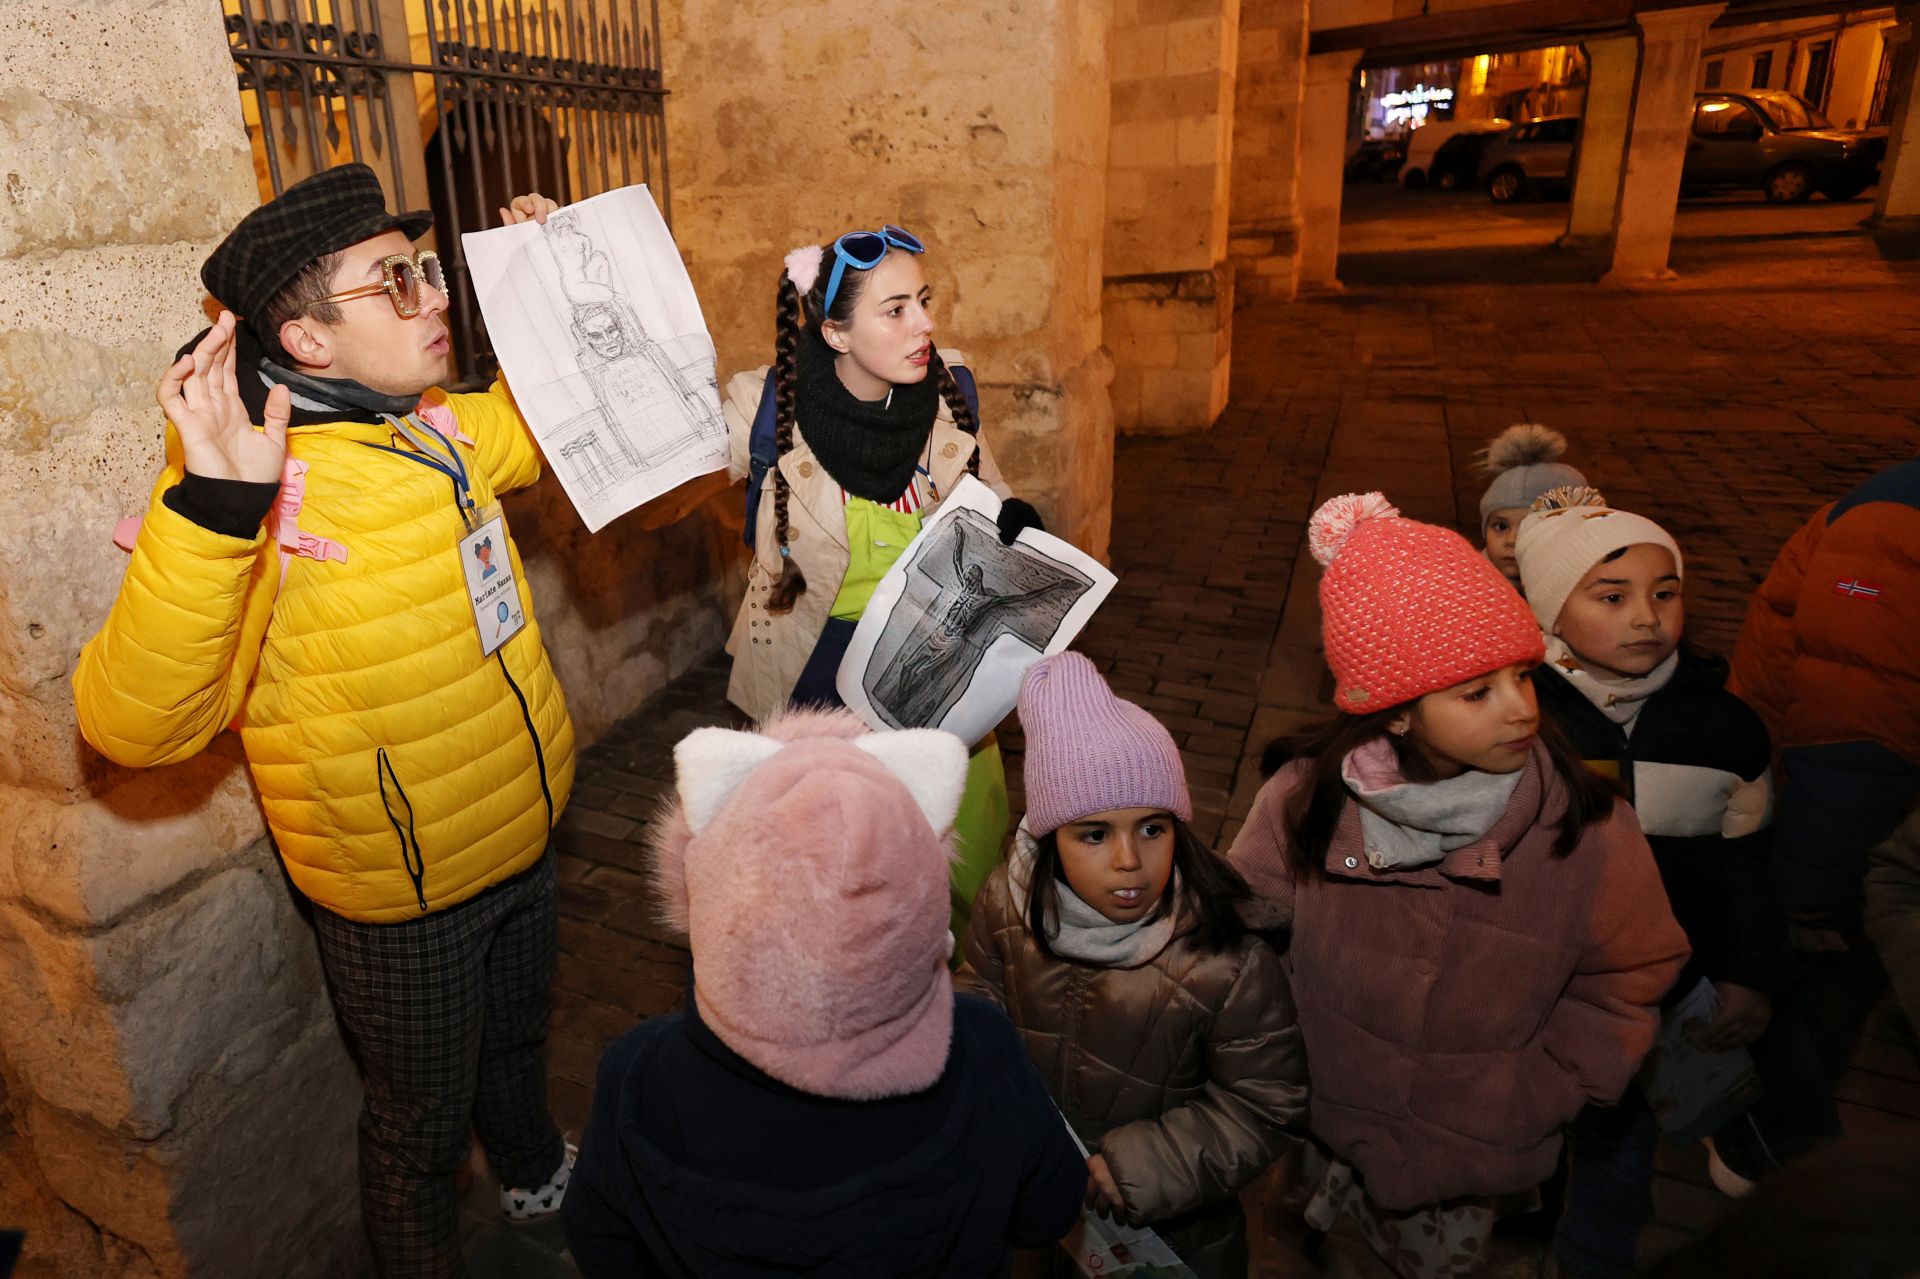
<point x="971" y="591"/>
<point x="633" y="378"/>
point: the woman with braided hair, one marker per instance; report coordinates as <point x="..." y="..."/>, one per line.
<point x="872" y="430"/>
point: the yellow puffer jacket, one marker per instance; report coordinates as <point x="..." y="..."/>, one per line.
<point x="371" y="722"/>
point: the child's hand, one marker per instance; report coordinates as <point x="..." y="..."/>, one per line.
<point x="1103" y="1194"/>
<point x="1743" y="1017"/>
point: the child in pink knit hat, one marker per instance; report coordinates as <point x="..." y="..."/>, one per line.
<point x="1478" y="938"/>
<point x="825" y="1097"/>
<point x="1112" y="939"/>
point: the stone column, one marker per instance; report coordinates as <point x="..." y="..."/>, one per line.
<point x="1670" y="45"/>
<point x="1263" y="233"/>
<point x="1168" y="300"/>
<point x="1896" y="209"/>
<point x="988" y="138"/>
<point x="1611" y="64"/>
<point x="1324" y="112"/>
<point x="176" y="1098"/>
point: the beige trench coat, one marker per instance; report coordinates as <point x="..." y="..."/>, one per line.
<point x="769" y="651"/>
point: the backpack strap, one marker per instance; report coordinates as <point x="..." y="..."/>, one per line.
<point x="963" y="377"/>
<point x="762" y="452"/>
<point x="283" y="524"/>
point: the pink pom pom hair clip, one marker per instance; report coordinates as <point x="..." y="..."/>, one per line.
<point x="803" y="267"/>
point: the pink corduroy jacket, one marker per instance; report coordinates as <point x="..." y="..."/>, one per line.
<point x="1458" y="1016"/>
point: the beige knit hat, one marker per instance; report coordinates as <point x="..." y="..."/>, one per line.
<point x="1568" y="531"/>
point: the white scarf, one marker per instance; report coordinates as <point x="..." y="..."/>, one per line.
<point x="1620" y="700"/>
<point x="1408" y="824"/>
<point x="1083" y="933"/>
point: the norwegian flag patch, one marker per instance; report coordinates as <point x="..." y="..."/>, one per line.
<point x="1854" y="588"/>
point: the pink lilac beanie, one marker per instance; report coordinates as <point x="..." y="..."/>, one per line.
<point x="1088" y="751"/>
<point x="1408" y="608"/>
<point x="808" y="865"/>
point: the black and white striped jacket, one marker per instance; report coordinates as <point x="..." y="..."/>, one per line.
<point x="1696" y="770"/>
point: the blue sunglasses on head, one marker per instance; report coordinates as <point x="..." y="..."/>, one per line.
<point x="863" y="250"/>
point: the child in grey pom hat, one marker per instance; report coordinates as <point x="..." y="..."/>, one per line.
<point x="1524" y="462"/>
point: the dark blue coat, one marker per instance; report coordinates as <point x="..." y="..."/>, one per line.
<point x="695" y="1163"/>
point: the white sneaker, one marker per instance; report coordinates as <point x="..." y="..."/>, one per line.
<point x="1725" y="1179"/>
<point x="531" y="1207"/>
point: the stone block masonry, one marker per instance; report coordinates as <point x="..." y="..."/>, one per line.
<point x="1263" y="215"/>
<point x="1168" y="301"/>
<point x="1169" y="335"/>
<point x="177" y="1099"/>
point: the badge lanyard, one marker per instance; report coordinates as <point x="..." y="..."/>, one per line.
<point x="485" y="563"/>
<point x="430" y="456"/>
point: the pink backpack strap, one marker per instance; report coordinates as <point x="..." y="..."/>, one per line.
<point x="440" y="417"/>
<point x="283" y="523"/>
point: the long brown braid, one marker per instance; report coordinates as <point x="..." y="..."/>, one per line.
<point x="786" y="372"/>
<point x="957" y="405"/>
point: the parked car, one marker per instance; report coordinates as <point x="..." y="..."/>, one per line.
<point x="1426" y="143"/>
<point x="1537" y="155"/>
<point x="1376" y="160"/>
<point x="1779" y="143"/>
<point x="1457" y="161"/>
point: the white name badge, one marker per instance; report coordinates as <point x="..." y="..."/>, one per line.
<point x="490" y="586"/>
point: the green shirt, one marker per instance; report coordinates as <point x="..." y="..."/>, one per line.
<point x="876" y="537"/>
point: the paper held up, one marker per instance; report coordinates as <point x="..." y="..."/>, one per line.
<point x="602" y="341"/>
<point x="958" y="619"/>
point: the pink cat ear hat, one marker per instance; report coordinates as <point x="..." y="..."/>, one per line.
<point x="808" y="865"/>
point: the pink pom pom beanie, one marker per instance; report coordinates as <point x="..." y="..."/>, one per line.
<point x="1089" y="752"/>
<point x="1406" y="608"/>
<point x="808" y="865"/>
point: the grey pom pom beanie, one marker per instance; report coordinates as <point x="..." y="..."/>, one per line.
<point x="1523" y="460"/>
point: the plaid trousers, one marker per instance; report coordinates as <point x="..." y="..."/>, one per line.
<point x="447" y="1015"/>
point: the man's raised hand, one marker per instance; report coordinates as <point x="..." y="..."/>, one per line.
<point x="201" y="397"/>
<point x="532" y="207"/>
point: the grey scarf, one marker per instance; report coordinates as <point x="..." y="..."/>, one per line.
<point x="1408" y="824"/>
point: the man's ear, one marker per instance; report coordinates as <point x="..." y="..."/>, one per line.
<point x="308" y="342"/>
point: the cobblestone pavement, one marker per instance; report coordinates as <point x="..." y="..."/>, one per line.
<point x="1770" y="379"/>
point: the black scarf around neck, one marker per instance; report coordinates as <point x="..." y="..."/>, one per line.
<point x="315" y="399"/>
<point x="869" y="447"/>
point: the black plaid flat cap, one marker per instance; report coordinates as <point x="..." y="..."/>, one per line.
<point x="330" y="211"/>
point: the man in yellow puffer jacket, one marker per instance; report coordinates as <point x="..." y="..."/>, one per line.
<point x="306" y="581"/>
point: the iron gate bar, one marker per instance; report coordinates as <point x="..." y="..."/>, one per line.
<point x="538" y="93"/>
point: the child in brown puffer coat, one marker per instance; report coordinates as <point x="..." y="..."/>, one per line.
<point x="1164" y="1030"/>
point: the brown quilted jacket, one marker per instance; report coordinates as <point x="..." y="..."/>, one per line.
<point x="1185" y="1072"/>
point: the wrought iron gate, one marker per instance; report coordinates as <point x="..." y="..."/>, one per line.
<point x="459" y="105"/>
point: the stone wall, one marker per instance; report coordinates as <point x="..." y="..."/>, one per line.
<point x="1168" y="303"/>
<point x="176" y="1091"/>
<point x="982" y="128"/>
<point x="1263" y="226"/>
<point x="174" y="1095"/>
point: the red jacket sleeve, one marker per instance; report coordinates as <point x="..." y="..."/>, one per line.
<point x="1764" y="656"/>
